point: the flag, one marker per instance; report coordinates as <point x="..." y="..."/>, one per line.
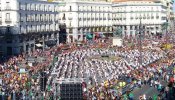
<point x="154" y="97"/>
<point x="49" y="88"/>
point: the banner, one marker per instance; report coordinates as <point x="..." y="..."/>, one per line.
<point x="117" y="42"/>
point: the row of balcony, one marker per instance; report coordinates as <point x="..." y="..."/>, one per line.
<point x="6" y="21"/>
<point x="69" y="18"/>
<point x="124" y="18"/>
<point x="38" y="8"/>
<point x="95" y="18"/>
<point x="93" y="25"/>
<point x="25" y="8"/>
<point x="94" y="10"/>
<point x="36" y="31"/>
<point x="35" y="20"/>
<point x="84" y="10"/>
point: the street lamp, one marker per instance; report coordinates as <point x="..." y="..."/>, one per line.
<point x="165" y="27"/>
<point x="140" y="41"/>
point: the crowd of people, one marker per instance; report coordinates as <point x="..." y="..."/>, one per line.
<point x="16" y="84"/>
<point x="87" y="63"/>
<point x="93" y="62"/>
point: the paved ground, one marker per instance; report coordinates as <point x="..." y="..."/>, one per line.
<point x="147" y="90"/>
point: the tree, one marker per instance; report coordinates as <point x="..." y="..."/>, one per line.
<point x="165" y="25"/>
<point x="118" y="32"/>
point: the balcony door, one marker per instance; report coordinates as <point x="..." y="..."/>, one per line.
<point x="8" y="16"/>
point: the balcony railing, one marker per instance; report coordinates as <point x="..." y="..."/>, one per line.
<point x="8" y="20"/>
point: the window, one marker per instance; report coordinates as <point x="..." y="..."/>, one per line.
<point x="41" y="18"/>
<point x="49" y="8"/>
<point x="20" y="17"/>
<point x="26" y="17"/>
<point x="7" y="4"/>
<point x="0" y="16"/>
<point x="70" y="24"/>
<point x="70" y="8"/>
<point x="34" y="7"/>
<point x="25" y="6"/>
<point x="20" y="28"/>
<point x="31" y="27"/>
<point x="36" y="18"/>
<point x="64" y="17"/>
<point x="157" y="16"/>
<point x="27" y="29"/>
<point x="7" y="15"/>
<point x="44" y="8"/>
<point x="20" y="6"/>
<point x="8" y="29"/>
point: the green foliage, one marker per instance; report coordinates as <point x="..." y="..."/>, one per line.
<point x="118" y="32"/>
<point x="165" y="26"/>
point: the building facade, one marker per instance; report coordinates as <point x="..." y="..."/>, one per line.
<point x="82" y="17"/>
<point x="170" y="13"/>
<point x="128" y="14"/>
<point x="27" y="24"/>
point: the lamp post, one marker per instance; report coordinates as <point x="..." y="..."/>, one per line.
<point x="140" y="41"/>
<point x="165" y="27"/>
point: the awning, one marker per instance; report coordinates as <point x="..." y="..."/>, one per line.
<point x="39" y="45"/>
<point x="89" y="36"/>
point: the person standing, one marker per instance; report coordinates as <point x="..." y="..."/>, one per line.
<point x="13" y="95"/>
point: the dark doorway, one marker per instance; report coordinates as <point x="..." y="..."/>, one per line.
<point x="62" y="34"/>
<point x="9" y="51"/>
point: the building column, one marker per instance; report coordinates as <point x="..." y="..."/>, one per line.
<point x="24" y="46"/>
<point x="75" y="34"/>
<point x="128" y="30"/>
<point x="52" y="36"/>
<point x="47" y="37"/>
<point x="81" y="34"/>
<point x="29" y="49"/>
<point x="123" y="31"/>
<point x="34" y="45"/>
<point x="57" y="38"/>
<point x="43" y="38"/>
<point x="67" y="40"/>
<point x="134" y="31"/>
